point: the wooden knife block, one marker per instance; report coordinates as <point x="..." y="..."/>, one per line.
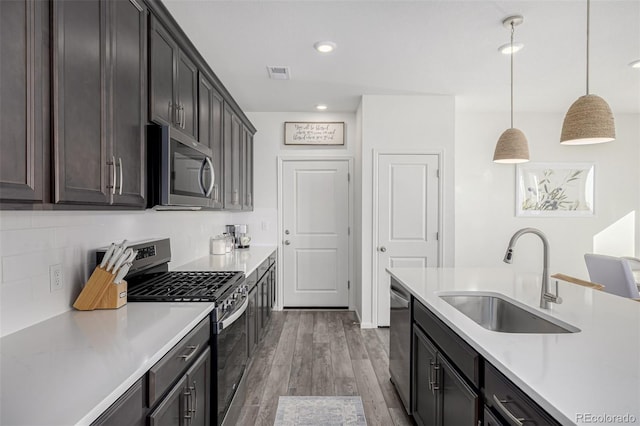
<point x="101" y="293"/>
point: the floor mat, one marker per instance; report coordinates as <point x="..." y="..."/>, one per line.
<point x="320" y="411"/>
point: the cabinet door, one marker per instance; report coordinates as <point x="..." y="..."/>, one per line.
<point x="232" y="170"/>
<point x="247" y="163"/>
<point x="23" y="94"/>
<point x="252" y="320"/>
<point x="210" y="105"/>
<point x="129" y="94"/>
<point x="83" y="166"/>
<point x="425" y="392"/>
<point x="187" y="95"/>
<point x="460" y="404"/>
<point x="198" y="390"/>
<point x="164" y="54"/>
<point x="172" y="411"/>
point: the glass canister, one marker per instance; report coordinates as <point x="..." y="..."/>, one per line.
<point x="218" y="244"/>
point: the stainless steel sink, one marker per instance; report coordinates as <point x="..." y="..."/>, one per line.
<point x="497" y="312"/>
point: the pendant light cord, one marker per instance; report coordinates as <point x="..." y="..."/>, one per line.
<point x="512" y="53"/>
<point x="588" y="14"/>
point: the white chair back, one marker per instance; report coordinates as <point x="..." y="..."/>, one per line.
<point x="612" y="272"/>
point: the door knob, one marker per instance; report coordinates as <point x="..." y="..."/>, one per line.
<point x="286" y="232"/>
<point x="383" y="249"/>
<point x="287" y="242"/>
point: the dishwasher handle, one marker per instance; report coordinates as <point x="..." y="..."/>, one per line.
<point x="399" y="298"/>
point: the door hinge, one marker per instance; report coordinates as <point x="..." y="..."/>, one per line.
<point x="437" y="236"/>
<point x="348" y="177"/>
<point x="348" y="230"/>
<point x="438" y="173"/>
<point x="348" y="285"/>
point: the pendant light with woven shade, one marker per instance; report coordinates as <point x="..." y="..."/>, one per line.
<point x="512" y="146"/>
<point x="589" y="119"/>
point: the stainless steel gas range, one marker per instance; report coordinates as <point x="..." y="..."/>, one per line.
<point x="149" y="280"/>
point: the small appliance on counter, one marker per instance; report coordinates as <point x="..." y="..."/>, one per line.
<point x="239" y="233"/>
<point x="106" y="287"/>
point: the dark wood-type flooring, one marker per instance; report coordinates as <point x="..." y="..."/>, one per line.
<point x="321" y="353"/>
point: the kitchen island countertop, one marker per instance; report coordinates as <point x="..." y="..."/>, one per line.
<point x="595" y="372"/>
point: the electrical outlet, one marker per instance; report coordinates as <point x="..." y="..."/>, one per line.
<point x="56" y="281"/>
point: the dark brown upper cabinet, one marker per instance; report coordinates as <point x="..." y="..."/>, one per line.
<point x="247" y="169"/>
<point x="174" y="83"/>
<point x="24" y="100"/>
<point x="99" y="100"/>
<point x="210" y="109"/>
<point x="233" y="183"/>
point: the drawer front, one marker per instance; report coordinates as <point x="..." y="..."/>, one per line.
<point x="264" y="266"/>
<point x="457" y="350"/>
<point x="177" y="360"/>
<point x="128" y="410"/>
<point x="510" y="402"/>
<point x="251" y="280"/>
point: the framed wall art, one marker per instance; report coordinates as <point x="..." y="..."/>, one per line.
<point x="555" y="189"/>
<point x="313" y="133"/>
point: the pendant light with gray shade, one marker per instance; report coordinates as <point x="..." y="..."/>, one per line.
<point x="589" y="119"/>
<point x="512" y="146"/>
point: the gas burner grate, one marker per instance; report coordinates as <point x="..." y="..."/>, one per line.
<point x="183" y="287"/>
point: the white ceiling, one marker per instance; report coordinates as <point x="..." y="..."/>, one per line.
<point x="417" y="47"/>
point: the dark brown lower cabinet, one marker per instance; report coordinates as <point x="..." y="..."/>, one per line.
<point x="188" y="402"/>
<point x="441" y="396"/>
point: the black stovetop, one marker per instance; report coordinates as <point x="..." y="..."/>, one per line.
<point x="178" y="286"/>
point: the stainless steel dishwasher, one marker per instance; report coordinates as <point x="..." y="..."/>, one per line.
<point x="400" y="342"/>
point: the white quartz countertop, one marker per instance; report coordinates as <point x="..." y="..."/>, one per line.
<point x="69" y="369"/>
<point x="593" y="372"/>
<point x="245" y="260"/>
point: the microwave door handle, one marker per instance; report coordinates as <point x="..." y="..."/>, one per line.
<point x="213" y="177"/>
<point x="201" y="177"/>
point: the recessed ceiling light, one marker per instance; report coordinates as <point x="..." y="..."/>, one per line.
<point x="635" y="64"/>
<point x="325" y="46"/>
<point x="506" y="49"/>
<point x="321" y="107"/>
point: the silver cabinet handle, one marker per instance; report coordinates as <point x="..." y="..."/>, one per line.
<point x="195" y="398"/>
<point x="171" y="113"/>
<point x="287" y="242"/>
<point x="382" y="249"/>
<point x="121" y="181"/>
<point x="433" y="380"/>
<point x="187" y="357"/>
<point x="182" y="116"/>
<point x="112" y="163"/>
<point x="500" y="404"/>
<point x="235" y="197"/>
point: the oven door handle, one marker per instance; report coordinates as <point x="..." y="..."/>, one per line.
<point x="226" y="323"/>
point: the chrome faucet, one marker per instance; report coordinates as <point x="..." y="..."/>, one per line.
<point x="545" y="296"/>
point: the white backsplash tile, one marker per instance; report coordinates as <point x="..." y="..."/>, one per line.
<point x="32" y="241"/>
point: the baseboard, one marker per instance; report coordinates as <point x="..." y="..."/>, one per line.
<point x="368" y="325"/>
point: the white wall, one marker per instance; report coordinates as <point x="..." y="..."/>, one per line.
<point x="409" y="124"/>
<point x="30" y="241"/>
<point x="268" y="145"/>
<point x="485" y="191"/>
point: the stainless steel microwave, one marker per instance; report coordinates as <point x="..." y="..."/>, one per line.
<point x="180" y="170"/>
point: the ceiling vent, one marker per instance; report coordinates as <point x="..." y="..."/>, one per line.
<point x="279" y="73"/>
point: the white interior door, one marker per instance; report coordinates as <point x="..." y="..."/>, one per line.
<point x="315" y="202"/>
<point x="408" y="206"/>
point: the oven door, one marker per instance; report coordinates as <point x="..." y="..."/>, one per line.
<point x="232" y="357"/>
